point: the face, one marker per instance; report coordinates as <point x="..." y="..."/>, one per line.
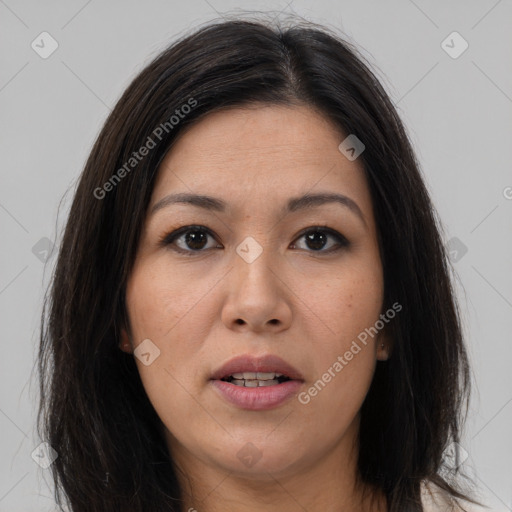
<point x="263" y="279"/>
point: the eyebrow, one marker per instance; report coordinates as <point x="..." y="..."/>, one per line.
<point x="294" y="204"/>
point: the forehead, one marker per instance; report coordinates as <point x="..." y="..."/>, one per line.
<point x="261" y="153"/>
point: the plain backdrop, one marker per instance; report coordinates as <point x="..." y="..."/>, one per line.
<point x="455" y="101"/>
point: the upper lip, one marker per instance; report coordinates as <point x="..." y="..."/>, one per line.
<point x="248" y="363"/>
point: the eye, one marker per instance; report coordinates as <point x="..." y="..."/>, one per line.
<point x="194" y="239"/>
<point x="190" y="239"/>
<point x="317" y="238"/>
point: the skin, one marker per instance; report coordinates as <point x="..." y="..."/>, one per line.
<point x="305" y="305"/>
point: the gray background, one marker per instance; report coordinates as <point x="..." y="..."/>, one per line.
<point x="458" y="112"/>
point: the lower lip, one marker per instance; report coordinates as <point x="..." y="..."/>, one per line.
<point x="260" y="398"/>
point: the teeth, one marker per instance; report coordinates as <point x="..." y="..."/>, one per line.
<point x="258" y="375"/>
<point x="267" y="383"/>
<point x="254" y="383"/>
<point x="265" y="376"/>
<point x="255" y="379"/>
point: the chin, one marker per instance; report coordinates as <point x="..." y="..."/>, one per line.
<point x="259" y="458"/>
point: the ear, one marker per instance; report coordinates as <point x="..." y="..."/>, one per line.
<point x="124" y="343"/>
<point x="385" y="344"/>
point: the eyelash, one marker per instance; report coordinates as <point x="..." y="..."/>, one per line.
<point x="168" y="239"/>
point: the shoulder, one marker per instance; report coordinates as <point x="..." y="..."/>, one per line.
<point x="435" y="499"/>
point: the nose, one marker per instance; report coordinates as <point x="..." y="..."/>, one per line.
<point x="257" y="298"/>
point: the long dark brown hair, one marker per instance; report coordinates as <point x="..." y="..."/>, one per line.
<point x="94" y="411"/>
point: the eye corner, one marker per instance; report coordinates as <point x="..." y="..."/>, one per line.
<point x="167" y="241"/>
<point x="341" y="241"/>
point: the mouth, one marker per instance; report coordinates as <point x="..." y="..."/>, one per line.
<point x="257" y="383"/>
<point x="256" y="379"/>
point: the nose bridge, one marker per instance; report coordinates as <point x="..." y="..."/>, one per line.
<point x="255" y="296"/>
<point x="253" y="264"/>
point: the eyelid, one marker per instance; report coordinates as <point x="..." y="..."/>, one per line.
<point x="341" y="239"/>
<point x="168" y="239"/>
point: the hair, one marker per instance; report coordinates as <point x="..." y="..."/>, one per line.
<point x="94" y="410"/>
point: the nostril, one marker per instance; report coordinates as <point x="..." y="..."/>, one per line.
<point x="240" y="321"/>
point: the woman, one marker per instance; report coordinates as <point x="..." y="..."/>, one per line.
<point x="251" y="308"/>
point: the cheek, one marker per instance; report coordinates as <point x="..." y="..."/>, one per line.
<point x="344" y="305"/>
<point x="160" y="296"/>
<point x="332" y="402"/>
<point x="164" y="306"/>
<point x="346" y="308"/>
<point x="344" y="359"/>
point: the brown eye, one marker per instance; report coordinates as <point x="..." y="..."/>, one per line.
<point x="317" y="239"/>
<point x="196" y="239"/>
<point x="190" y="239"/>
